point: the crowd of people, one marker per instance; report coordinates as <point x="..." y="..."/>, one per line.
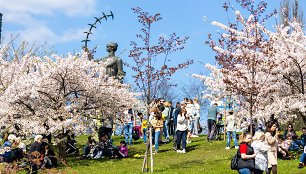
<point x="257" y="154"/>
<point x="39" y="155"/>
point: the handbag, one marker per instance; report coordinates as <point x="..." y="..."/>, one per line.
<point x="135" y="134"/>
<point x="234" y="162"/>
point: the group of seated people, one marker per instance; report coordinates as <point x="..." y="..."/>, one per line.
<point x="104" y="148"/>
<point x="39" y="155"/>
<point x="12" y="149"/>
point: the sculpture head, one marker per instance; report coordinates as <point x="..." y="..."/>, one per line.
<point x="111" y="46"/>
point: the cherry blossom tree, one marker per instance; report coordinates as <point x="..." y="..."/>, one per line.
<point x="259" y="71"/>
<point x="36" y="91"/>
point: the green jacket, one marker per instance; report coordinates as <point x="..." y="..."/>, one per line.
<point x="212" y="113"/>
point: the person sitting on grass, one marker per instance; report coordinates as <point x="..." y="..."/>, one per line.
<point x="289" y="133"/>
<point x="303" y="158"/>
<point x="105" y="147"/>
<point x="36" y="153"/>
<point x="121" y="151"/>
<point x="299" y="143"/>
<point x="5" y="151"/>
<point x="283" y="148"/>
<point x="294" y="146"/>
<point x="50" y="158"/>
<point x="89" y="150"/>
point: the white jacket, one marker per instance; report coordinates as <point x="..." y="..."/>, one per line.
<point x="197" y="109"/>
<point x="190" y="110"/>
<point x="182" y="123"/>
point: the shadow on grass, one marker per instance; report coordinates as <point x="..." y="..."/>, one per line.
<point x="191" y="148"/>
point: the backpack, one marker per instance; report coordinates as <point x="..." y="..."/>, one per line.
<point x="135" y="134"/>
<point x="234" y="162"/>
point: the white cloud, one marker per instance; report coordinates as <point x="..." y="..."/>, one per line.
<point x="49" y="7"/>
<point x="31" y="18"/>
<point x="43" y="33"/>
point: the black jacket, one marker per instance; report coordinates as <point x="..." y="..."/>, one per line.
<point x="246" y="163"/>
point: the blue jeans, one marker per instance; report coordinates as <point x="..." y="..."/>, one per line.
<point x="294" y="146"/>
<point x="144" y="130"/>
<point x="244" y="171"/>
<point x="157" y="134"/>
<point x="165" y="129"/>
<point x="195" y="126"/>
<point x="191" y="126"/>
<point x="128" y="129"/>
<point x="229" y="138"/>
<point x="181" y="136"/>
<point x="86" y="150"/>
<point x="303" y="157"/>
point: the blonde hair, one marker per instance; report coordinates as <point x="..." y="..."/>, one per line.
<point x="167" y="104"/>
<point x="258" y="135"/>
<point x="38" y="137"/>
<point x="195" y="100"/>
<point x="243" y="136"/>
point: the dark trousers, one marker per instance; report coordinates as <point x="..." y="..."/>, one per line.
<point x="211" y="126"/>
<point x="181" y="137"/>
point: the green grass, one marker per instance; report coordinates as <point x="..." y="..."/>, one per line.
<point x="201" y="157"/>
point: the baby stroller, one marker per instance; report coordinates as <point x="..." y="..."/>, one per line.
<point x="70" y="146"/>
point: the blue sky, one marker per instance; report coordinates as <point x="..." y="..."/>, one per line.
<point x="62" y="22"/>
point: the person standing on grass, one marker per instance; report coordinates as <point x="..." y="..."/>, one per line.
<point x="176" y="111"/>
<point x="182" y="127"/>
<point x="231" y="129"/>
<point x="190" y="112"/>
<point x="195" y="131"/>
<point x="157" y="125"/>
<point x="211" y="121"/>
<point x="260" y="149"/>
<point x="246" y="160"/>
<point x="137" y="123"/>
<point x="129" y="118"/>
<point x="166" y="119"/>
<point x="170" y="128"/>
<point x="271" y="139"/>
<point x="144" y="127"/>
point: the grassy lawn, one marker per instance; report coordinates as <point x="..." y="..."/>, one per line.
<point x="201" y="157"/>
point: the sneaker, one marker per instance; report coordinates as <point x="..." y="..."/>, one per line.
<point x="301" y="165"/>
<point x="155" y="152"/>
<point x="236" y="147"/>
<point x="228" y="148"/>
<point x="178" y="151"/>
<point x="183" y="151"/>
<point x="189" y="141"/>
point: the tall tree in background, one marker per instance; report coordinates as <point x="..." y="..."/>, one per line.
<point x="290" y="10"/>
<point x="145" y="54"/>
<point x="151" y="60"/>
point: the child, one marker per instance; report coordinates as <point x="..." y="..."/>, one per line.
<point x="90" y="147"/>
<point x="121" y="151"/>
<point x="144" y="130"/>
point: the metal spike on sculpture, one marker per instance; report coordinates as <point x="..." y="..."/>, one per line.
<point x="94" y="26"/>
<point x="0" y="26"/>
